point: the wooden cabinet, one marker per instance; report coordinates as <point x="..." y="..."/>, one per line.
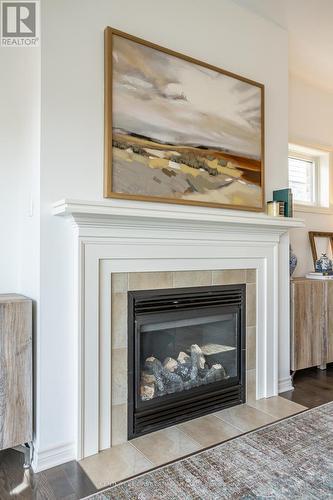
<point x="15" y="370"/>
<point x="312" y="323"/>
<point x="329" y="337"/>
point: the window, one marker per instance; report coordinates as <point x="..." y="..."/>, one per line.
<point x="308" y="171"/>
<point x="302" y="179"/>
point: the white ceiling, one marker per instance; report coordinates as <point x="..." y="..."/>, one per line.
<point x="310" y="27"/>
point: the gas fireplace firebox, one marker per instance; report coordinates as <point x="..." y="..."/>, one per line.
<point x="186" y="354"/>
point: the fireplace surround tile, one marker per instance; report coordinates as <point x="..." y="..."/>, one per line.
<point x="119" y="376"/>
<point x="191" y="278"/>
<point x="277" y="406"/>
<point x="251" y="275"/>
<point x="245" y="417"/>
<point x="146" y="281"/>
<point x="119" y="320"/>
<point x="165" y="445"/>
<point x="250" y="347"/>
<point x="119" y="424"/>
<point x="119" y="282"/>
<point x="251" y="378"/>
<point x="115" y="464"/>
<point x="209" y="430"/>
<point x="229" y="277"/>
<point x="122" y="282"/>
<point x="251" y="304"/>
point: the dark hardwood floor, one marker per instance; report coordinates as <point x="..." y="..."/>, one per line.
<point x="313" y="387"/>
<point x="66" y="482"/>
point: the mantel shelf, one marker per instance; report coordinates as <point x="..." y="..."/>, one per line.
<point x="88" y="212"/>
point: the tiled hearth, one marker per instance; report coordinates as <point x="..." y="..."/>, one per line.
<point x="144" y="453"/>
<point x="123" y="282"/>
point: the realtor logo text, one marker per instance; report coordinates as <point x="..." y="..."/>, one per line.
<point x="19" y="24"/>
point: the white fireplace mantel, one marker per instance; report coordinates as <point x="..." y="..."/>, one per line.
<point x="106" y="213"/>
<point x="126" y="236"/>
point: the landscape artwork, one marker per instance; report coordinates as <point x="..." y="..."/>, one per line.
<point x="182" y="131"/>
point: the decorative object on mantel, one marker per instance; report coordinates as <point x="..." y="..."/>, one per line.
<point x="323" y="264"/>
<point x="166" y="142"/>
<point x="275" y="208"/>
<point x="322" y="250"/>
<point x="286" y="196"/>
<point x="16" y="373"/>
<point x="292" y="261"/>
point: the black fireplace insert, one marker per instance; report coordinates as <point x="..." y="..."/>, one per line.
<point x="186" y="354"/>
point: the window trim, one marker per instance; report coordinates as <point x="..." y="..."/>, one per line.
<point x="295" y="151"/>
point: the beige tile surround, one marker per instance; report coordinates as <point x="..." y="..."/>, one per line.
<point x="123" y="282"/>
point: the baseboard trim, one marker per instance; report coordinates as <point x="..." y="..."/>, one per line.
<point x="53" y="456"/>
<point x="285" y="384"/>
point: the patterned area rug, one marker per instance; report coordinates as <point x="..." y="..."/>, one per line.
<point x="292" y="459"/>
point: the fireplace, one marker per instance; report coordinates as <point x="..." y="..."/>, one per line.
<point x="186" y="354"/>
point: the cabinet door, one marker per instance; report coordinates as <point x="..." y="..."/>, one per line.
<point x="329" y="335"/>
<point x="15" y="373"/>
<point x="309" y="323"/>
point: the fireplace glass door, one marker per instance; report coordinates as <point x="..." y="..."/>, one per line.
<point x="186" y="354"/>
<point x="179" y="353"/>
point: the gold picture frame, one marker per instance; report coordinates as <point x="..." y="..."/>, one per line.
<point x="218" y="173"/>
<point x="319" y="234"/>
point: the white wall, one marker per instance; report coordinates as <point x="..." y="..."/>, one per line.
<point x="19" y="170"/>
<point x="216" y="31"/>
<point x="311" y="124"/>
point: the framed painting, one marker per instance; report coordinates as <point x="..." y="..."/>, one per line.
<point x="321" y="242"/>
<point x="179" y="130"/>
